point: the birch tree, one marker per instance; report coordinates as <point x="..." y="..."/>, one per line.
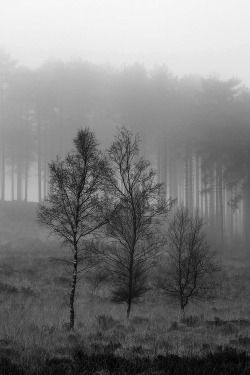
<point x="134" y="226"/>
<point x="72" y="209"/>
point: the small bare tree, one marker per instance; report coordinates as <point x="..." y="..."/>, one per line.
<point x="133" y="230"/>
<point x="188" y="269"/>
<point x="73" y="208"/>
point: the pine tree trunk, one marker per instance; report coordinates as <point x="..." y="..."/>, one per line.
<point x="159" y="161"/>
<point x="39" y="161"/>
<point x="2" y="144"/>
<point x="202" y="194"/>
<point x="212" y="203"/>
<point x="219" y="203"/>
<point x="19" y="180"/>
<point x="164" y="163"/>
<point x="186" y="177"/>
<point x="26" y="178"/>
<point x="45" y="171"/>
<point x="197" y="182"/>
<point x="26" y="168"/>
<point x="190" y="170"/>
<point x="231" y="229"/>
<point x="12" y="180"/>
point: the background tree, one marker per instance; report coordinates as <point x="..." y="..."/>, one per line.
<point x="71" y="210"/>
<point x="194" y="130"/>
<point x="134" y="226"/>
<point x="7" y="68"/>
<point x="189" y="265"/>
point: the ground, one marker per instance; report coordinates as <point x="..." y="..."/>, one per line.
<point x="34" y="314"/>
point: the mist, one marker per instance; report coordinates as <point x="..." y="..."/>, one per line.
<point x="155" y="217"/>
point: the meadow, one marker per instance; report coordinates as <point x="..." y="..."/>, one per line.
<point x="157" y="339"/>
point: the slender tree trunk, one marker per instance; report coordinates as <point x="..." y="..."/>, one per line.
<point x="202" y="194"/>
<point x="159" y="161"/>
<point x="169" y="177"/>
<point x="246" y="219"/>
<point x="2" y="143"/>
<point x="12" y="180"/>
<point x="73" y="291"/>
<point x="26" y="167"/>
<point x="129" y="308"/>
<point x="19" y="180"/>
<point x="212" y="203"/>
<point x="45" y="179"/>
<point x="39" y="161"/>
<point x="182" y="307"/>
<point x="191" y="203"/>
<point x="197" y="180"/>
<point x="45" y="170"/>
<point x="219" y="203"/>
<point x="173" y="173"/>
<point x="186" y="177"/>
<point x="228" y="217"/>
<point x="130" y="286"/>
<point x="26" y="178"/>
<point x="247" y="206"/>
<point x="164" y="163"/>
<point x="206" y="204"/>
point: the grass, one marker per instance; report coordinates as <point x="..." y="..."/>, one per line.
<point x="34" y="336"/>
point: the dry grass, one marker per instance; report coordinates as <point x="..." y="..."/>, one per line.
<point x="34" y="315"/>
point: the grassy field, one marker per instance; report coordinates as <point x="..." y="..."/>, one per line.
<point x="34" y="335"/>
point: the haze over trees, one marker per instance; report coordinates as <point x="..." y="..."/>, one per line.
<point x="194" y="130"/>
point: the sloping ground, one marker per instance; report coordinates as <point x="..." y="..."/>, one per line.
<point x="227" y="362"/>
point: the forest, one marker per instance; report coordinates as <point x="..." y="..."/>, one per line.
<point x="194" y="130"/>
<point x="154" y="168"/>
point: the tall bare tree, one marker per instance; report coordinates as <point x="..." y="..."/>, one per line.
<point x="72" y="209"/>
<point x="134" y="226"/>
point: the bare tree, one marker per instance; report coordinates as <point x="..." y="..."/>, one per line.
<point x="188" y="269"/>
<point x="133" y="230"/>
<point x="73" y="208"/>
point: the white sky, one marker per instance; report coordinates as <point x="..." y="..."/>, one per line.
<point x="190" y="36"/>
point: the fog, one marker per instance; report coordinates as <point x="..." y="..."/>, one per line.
<point x="124" y="178"/>
<point x="173" y="69"/>
<point x="190" y="37"/>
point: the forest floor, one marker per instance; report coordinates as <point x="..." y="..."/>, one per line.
<point x="157" y="339"/>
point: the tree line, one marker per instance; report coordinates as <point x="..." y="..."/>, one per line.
<point x="194" y="130"/>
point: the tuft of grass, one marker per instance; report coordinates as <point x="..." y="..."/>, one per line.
<point x="105" y="322"/>
<point x="191" y="321"/>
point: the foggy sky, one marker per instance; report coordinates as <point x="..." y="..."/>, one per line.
<point x="189" y="36"/>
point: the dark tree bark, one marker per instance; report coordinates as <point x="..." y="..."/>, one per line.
<point x="73" y="289"/>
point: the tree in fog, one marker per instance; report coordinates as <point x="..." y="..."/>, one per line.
<point x="189" y="266"/>
<point x="72" y="209"/>
<point x="133" y="229"/>
<point x="7" y="68"/>
<point x="20" y="137"/>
